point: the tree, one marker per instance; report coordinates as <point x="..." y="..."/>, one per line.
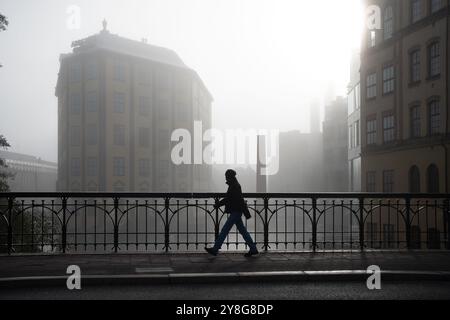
<point x="3" y="22"/>
<point x="4" y="173"/>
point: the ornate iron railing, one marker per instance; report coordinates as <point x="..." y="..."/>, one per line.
<point x="71" y="222"/>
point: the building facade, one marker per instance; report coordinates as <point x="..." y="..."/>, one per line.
<point x="29" y="173"/>
<point x="119" y="101"/>
<point x="354" y="126"/>
<point x="335" y="146"/>
<point x="404" y="104"/>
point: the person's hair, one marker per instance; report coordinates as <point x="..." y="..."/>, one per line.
<point x="230" y="174"/>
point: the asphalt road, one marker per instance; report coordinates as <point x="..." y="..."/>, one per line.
<point x="245" y="291"/>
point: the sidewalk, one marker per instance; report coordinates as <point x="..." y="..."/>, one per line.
<point x="200" y="267"/>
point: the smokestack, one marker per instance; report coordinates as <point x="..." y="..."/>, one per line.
<point x="261" y="180"/>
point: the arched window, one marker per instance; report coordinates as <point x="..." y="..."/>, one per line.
<point x="414" y="180"/>
<point x="119" y="186"/>
<point x="388" y="22"/>
<point x="92" y="186"/>
<point x="432" y="179"/>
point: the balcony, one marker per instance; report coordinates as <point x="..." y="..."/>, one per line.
<point x="186" y="222"/>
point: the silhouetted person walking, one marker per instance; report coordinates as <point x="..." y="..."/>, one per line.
<point x="234" y="205"/>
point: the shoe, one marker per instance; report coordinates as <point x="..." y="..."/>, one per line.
<point x="251" y="253"/>
<point x="211" y="251"/>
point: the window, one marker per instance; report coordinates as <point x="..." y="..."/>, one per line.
<point x="388" y="79"/>
<point x="119" y="102"/>
<point x="75" y="136"/>
<point x="75" y="72"/>
<point x="119" y="71"/>
<point x="388" y="236"/>
<point x="351" y="139"/>
<point x="144" y="167"/>
<point x="371" y="233"/>
<point x="119" y="167"/>
<point x="371" y="131"/>
<point x="415" y="122"/>
<point x="371" y="39"/>
<point x="416" y="10"/>
<point x="119" y="186"/>
<point x="91" y="167"/>
<point x="388" y="128"/>
<point x="414" y="180"/>
<point x="91" y="134"/>
<point x="92" y="186"/>
<point x="434" y="60"/>
<point x="144" y="106"/>
<point x="415" y="237"/>
<point x="92" y="101"/>
<point x="388" y="23"/>
<point x="75" y="167"/>
<point x="414" y="60"/>
<point x="434" y="117"/>
<point x="144" y="187"/>
<point x="371" y="85"/>
<point x="357" y="134"/>
<point x="144" y="137"/>
<point x="119" y="135"/>
<point x="433" y="238"/>
<point x="371" y="181"/>
<point x="388" y="181"/>
<point x="433" y="179"/>
<point x="75" y="103"/>
<point x="435" y="5"/>
<point x="91" y="70"/>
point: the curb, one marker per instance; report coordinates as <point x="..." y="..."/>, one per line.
<point x="222" y="278"/>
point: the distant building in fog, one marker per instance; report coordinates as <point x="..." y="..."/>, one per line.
<point x="354" y="126"/>
<point x="301" y="163"/>
<point x="335" y="148"/>
<point x="31" y="174"/>
<point x="119" y="101"/>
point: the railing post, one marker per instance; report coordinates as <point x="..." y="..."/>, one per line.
<point x="314" y="224"/>
<point x="217" y="224"/>
<point x="408" y="222"/>
<point x="64" y="227"/>
<point x="266" y="223"/>
<point x="166" y="225"/>
<point x="116" y="224"/>
<point x="361" y="224"/>
<point x="10" y="222"/>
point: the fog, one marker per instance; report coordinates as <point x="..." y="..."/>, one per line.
<point x="264" y="61"/>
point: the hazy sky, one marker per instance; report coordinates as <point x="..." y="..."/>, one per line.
<point x="264" y="61"/>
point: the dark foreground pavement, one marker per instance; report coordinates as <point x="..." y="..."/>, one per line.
<point x="405" y="275"/>
<point x="329" y="290"/>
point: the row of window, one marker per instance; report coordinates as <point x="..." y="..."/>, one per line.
<point x="417" y="12"/>
<point x="389" y="125"/>
<point x="119" y="73"/>
<point x="414" y="180"/>
<point x="118" y="167"/>
<point x="92" y="103"/>
<point x="388" y="75"/>
<point x="119" y="136"/>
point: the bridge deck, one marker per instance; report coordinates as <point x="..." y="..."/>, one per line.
<point x="135" y="264"/>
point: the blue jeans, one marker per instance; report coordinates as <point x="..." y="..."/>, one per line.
<point x="234" y="219"/>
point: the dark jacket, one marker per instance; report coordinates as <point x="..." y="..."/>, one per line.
<point x="234" y="202"/>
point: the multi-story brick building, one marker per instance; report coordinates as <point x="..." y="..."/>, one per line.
<point x="404" y="103"/>
<point x="119" y="101"/>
